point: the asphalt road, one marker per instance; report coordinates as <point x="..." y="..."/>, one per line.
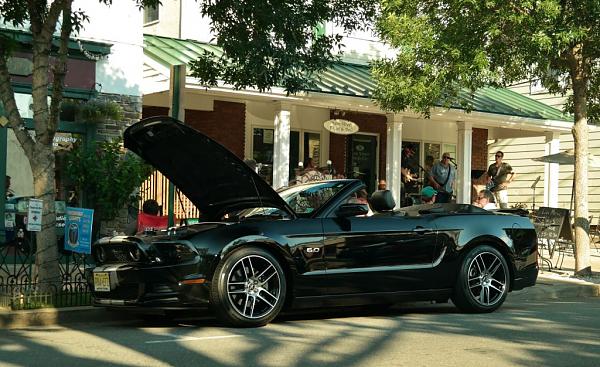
<point x="521" y="333"/>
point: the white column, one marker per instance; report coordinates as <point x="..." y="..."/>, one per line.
<point x="464" y="151"/>
<point x="281" y="145"/>
<point x="551" y="171"/>
<point x="393" y="155"/>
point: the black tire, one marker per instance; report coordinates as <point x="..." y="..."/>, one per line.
<point x="248" y="288"/>
<point x="483" y="281"/>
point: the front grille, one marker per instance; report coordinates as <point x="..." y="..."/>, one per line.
<point x="119" y="254"/>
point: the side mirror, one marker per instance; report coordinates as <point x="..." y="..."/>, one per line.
<point x="352" y="210"/>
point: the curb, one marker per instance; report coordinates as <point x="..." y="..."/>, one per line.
<point x="554" y="286"/>
<point x="58" y="317"/>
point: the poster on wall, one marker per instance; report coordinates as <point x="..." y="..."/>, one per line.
<point x="78" y="230"/>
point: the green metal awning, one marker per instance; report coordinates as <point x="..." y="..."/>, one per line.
<point x="75" y="46"/>
<point x="355" y="80"/>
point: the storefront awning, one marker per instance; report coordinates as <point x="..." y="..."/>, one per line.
<point x="353" y="80"/>
<point x="75" y="46"/>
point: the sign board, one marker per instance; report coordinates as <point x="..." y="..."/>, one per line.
<point x="341" y="126"/>
<point x="19" y="66"/>
<point x="78" y="230"/>
<point x="557" y="223"/>
<point x="34" y="215"/>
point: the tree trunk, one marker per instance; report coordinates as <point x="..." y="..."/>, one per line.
<point x="47" y="257"/>
<point x="579" y="76"/>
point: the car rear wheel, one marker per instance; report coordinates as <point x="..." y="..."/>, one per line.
<point x="249" y="288"/>
<point x="483" y="281"/>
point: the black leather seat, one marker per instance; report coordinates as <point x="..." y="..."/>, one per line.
<point x="382" y="201"/>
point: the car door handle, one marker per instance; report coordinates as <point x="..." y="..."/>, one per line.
<point x="421" y="230"/>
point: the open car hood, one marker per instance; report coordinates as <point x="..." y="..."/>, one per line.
<point x="211" y="176"/>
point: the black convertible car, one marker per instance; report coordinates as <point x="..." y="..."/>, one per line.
<point x="257" y="252"/>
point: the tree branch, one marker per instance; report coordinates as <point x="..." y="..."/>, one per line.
<point x="15" y="121"/>
<point x="49" y="25"/>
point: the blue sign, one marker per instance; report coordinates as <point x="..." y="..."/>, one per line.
<point x="78" y="230"/>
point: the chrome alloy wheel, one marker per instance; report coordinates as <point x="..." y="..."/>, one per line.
<point x="253" y="286"/>
<point x="487" y="279"/>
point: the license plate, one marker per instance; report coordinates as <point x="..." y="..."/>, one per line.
<point x="101" y="282"/>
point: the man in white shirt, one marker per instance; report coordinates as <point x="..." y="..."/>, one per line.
<point x="486" y="200"/>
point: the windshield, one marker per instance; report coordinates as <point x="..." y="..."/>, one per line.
<point x="303" y="199"/>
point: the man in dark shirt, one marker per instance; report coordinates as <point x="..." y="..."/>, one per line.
<point x="500" y="175"/>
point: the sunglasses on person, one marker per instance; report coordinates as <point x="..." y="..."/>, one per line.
<point x="445" y="157"/>
<point x="499" y="156"/>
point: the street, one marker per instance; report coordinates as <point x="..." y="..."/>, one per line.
<point x="521" y="333"/>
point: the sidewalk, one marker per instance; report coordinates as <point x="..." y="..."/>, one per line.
<point x="551" y="284"/>
<point x="560" y="282"/>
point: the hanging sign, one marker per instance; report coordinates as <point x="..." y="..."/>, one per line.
<point x="78" y="230"/>
<point x="34" y="215"/>
<point x="341" y="126"/>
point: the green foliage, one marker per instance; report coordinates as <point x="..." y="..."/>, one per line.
<point x="106" y="175"/>
<point x="97" y="111"/>
<point x="91" y="111"/>
<point x="274" y="43"/>
<point x="451" y="45"/>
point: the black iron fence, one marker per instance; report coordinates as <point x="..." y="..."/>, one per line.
<point x="19" y="289"/>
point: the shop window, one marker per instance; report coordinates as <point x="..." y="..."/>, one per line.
<point x="263" y="146"/>
<point x="262" y="152"/>
<point x="312" y="146"/>
<point x="433" y="150"/>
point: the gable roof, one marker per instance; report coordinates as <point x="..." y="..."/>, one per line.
<point x="355" y="80"/>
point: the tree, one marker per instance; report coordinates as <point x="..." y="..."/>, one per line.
<point x="276" y="43"/>
<point x="445" y="46"/>
<point x="43" y="18"/>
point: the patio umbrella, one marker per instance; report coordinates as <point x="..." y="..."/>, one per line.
<point x="568" y="157"/>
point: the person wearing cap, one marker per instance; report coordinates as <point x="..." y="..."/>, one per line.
<point x="442" y="178"/>
<point x="428" y="195"/>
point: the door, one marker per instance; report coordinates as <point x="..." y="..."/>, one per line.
<point x="362" y="159"/>
<point x="381" y="253"/>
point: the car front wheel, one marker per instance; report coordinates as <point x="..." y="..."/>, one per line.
<point x="249" y="288"/>
<point x="483" y="281"/>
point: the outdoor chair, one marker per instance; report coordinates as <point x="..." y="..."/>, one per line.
<point x="595" y="233"/>
<point x="553" y="228"/>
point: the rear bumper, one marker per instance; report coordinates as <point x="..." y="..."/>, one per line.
<point x="526" y="277"/>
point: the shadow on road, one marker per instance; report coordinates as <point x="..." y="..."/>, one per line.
<point x="544" y="333"/>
